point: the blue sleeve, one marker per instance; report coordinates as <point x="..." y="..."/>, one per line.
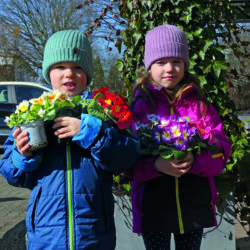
<point x="15" y="176"/>
<point x="26" y="164"/>
<point x="89" y="129"/>
<point x="113" y="149"/>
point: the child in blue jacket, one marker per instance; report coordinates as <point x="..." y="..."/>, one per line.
<point x="71" y="203"/>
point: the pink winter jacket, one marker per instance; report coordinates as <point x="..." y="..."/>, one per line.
<point x="206" y="165"/>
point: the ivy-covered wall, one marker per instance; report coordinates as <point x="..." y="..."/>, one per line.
<point x="210" y="28"/>
<point x="208" y="24"/>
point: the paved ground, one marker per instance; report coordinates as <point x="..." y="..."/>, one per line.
<point x="13" y="202"/>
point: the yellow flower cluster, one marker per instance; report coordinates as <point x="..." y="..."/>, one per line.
<point x="41" y="108"/>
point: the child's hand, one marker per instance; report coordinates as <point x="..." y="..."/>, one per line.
<point x="67" y="126"/>
<point x="174" y="167"/>
<point x="22" y="139"/>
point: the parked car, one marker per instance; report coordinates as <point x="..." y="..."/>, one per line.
<point x="11" y="94"/>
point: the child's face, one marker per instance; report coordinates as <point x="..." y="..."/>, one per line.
<point x="68" y="78"/>
<point x="167" y="72"/>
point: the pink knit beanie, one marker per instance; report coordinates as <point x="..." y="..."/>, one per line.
<point x="165" y="41"/>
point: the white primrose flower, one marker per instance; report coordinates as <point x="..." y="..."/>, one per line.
<point x="41" y="112"/>
<point x="7" y="120"/>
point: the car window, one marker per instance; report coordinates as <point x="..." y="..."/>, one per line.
<point x="27" y="92"/>
<point x="3" y="94"/>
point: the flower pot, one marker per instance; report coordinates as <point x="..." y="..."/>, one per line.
<point x="66" y="111"/>
<point x="37" y="135"/>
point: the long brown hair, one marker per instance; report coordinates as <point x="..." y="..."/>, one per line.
<point x="141" y="88"/>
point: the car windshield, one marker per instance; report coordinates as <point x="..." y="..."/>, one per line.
<point x="27" y="92"/>
<point x="18" y="93"/>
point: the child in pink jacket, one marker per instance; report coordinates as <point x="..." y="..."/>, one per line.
<point x="170" y="196"/>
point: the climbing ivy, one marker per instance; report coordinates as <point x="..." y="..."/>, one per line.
<point x="210" y="28"/>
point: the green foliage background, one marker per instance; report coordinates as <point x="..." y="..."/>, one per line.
<point x="207" y="25"/>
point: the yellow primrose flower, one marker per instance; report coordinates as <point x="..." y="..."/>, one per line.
<point x="23" y="106"/>
<point x="185" y="135"/>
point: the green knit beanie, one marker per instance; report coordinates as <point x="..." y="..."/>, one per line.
<point x="68" y="46"/>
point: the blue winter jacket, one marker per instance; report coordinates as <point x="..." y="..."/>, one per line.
<point x="71" y="203"/>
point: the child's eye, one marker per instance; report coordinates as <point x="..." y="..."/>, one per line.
<point x="59" y="67"/>
<point x="177" y="61"/>
<point x="78" y="67"/>
<point x="159" y="62"/>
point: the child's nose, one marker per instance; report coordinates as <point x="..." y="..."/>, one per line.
<point x="169" y="67"/>
<point x="69" y="72"/>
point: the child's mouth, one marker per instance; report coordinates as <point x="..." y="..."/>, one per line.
<point x="168" y="77"/>
<point x="69" y="86"/>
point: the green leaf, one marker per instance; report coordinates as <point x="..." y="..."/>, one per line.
<point x="96" y="110"/>
<point x="168" y="153"/>
<point x="202" y="144"/>
<point x="117" y="179"/>
<point x="179" y="155"/>
<point x="50" y="115"/>
<point x="137" y="36"/>
<point x="85" y="102"/>
<point x="145" y="140"/>
<point x="218" y="66"/>
<point x="76" y="99"/>
<point x="120" y="65"/>
<point x="208" y="43"/>
<point x="186" y="18"/>
<point x="198" y="32"/>
<point x="97" y="96"/>
<point x="130" y="5"/>
<point x="202" y="54"/>
<point x="127" y="187"/>
<point x="207" y="68"/>
<point x="189" y="35"/>
<point x="146" y="151"/>
<point x="203" y="80"/>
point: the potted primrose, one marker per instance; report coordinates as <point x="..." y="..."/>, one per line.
<point x="31" y="115"/>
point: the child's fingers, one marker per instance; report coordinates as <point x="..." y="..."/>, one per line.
<point x="67" y="127"/>
<point x="16" y="132"/>
<point x="60" y="122"/>
<point x="22" y="144"/>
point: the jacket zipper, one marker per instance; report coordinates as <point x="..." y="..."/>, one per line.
<point x="69" y="197"/>
<point x="176" y="178"/>
<point x="178" y="205"/>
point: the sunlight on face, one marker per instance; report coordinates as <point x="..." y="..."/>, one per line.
<point x="68" y="78"/>
<point x="167" y="72"/>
